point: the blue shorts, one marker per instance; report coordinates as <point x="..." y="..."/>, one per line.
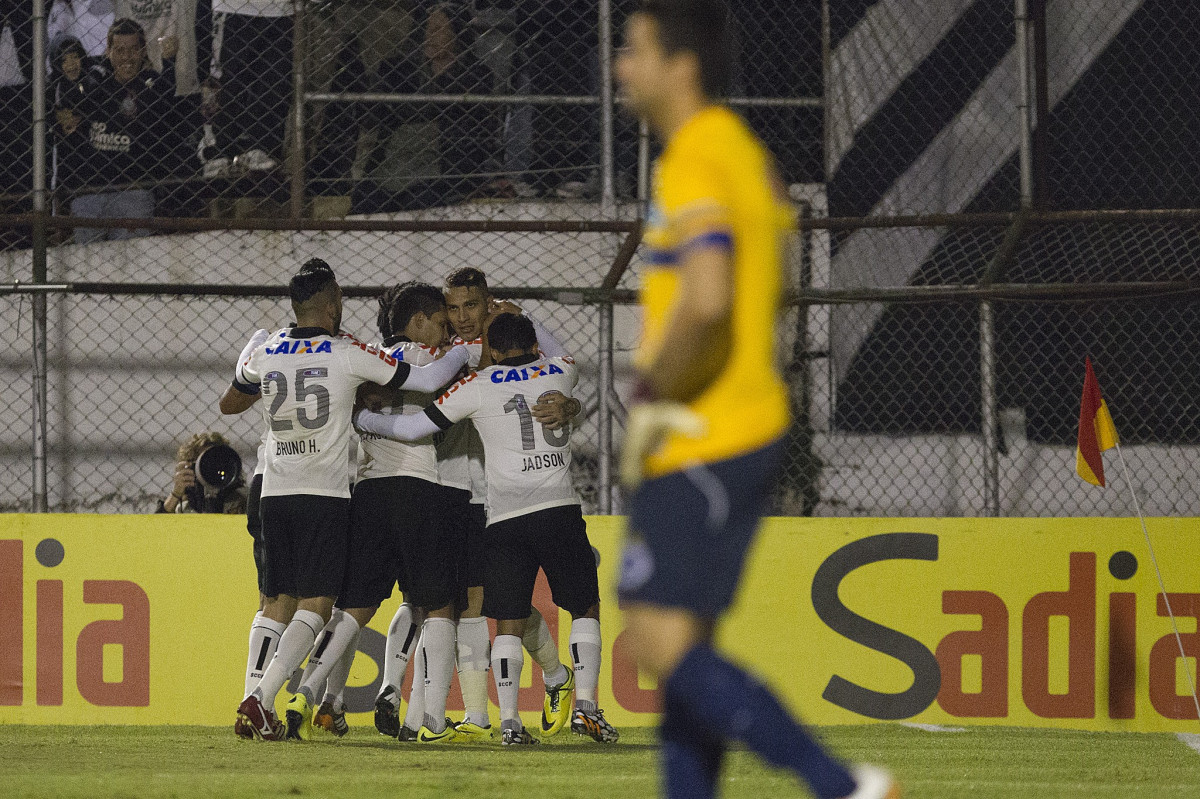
<point x="689" y="532"/>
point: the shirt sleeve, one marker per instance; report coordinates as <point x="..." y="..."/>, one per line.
<point x="247" y="375"/>
<point x="547" y="343"/>
<point x="695" y="202"/>
<point x="434" y="376"/>
<point x="375" y="366"/>
<point x="399" y="427"/>
<point x="460" y="401"/>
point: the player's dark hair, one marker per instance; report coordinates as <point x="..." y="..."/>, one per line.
<point x="509" y="332"/>
<point x="700" y="27"/>
<point x="399" y="304"/>
<point x="127" y="27"/>
<point x="313" y="278"/>
<point x="467" y="277"/>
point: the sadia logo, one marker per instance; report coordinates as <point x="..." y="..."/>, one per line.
<point x="130" y="632"/>
<point x="938" y="675"/>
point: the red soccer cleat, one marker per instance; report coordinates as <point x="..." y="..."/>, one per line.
<point x="255" y="720"/>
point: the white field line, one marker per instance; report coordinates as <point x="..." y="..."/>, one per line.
<point x="1192" y="739"/>
<point x="931" y="727"/>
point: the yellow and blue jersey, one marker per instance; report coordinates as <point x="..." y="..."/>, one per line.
<point x="715" y="186"/>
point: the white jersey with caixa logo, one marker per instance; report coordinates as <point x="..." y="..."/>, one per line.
<point x="528" y="467"/>
<point x="459" y="452"/>
<point x="309" y="379"/>
<point x="383" y="457"/>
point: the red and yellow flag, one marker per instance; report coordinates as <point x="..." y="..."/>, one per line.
<point x="1096" y="431"/>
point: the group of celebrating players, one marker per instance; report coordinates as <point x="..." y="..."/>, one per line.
<point x="462" y="491"/>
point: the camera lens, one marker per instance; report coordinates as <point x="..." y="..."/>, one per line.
<point x="218" y="467"/>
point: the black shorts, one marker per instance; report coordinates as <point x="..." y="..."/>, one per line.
<point x="254" y="527"/>
<point x="305" y="541"/>
<point x="464" y="522"/>
<point x="554" y="540"/>
<point x="396" y="537"/>
<point x="689" y="532"/>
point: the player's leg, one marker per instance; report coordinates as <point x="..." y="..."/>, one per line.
<point x="689" y="536"/>
<point x="264" y="633"/>
<point x="320" y="526"/>
<point x="331" y="713"/>
<point x="338" y="636"/>
<point x="415" y="716"/>
<point x="402" y="635"/>
<point x="558" y="680"/>
<point x="473" y="641"/>
<point x="507" y="595"/>
<point x="569" y="562"/>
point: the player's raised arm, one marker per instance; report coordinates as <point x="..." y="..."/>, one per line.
<point x="240" y="396"/>
<point x="435" y="376"/>
<point x="453" y="406"/>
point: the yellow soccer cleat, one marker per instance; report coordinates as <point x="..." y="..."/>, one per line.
<point x="299" y="719"/>
<point x="428" y="736"/>
<point x="469" y="732"/>
<point x="556" y="710"/>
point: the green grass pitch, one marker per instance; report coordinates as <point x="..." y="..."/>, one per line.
<point x="980" y="763"/>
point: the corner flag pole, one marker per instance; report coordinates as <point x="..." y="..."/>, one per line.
<point x="1158" y="573"/>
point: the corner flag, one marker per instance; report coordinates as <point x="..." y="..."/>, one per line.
<point x="1096" y="431"/>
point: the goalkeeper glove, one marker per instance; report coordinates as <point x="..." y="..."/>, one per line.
<point x="647" y="427"/>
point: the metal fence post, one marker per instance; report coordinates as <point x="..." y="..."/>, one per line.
<point x="608" y="194"/>
<point x="605" y="446"/>
<point x="298" y="155"/>
<point x="38" y="68"/>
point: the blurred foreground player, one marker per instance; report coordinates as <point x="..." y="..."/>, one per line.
<point x="705" y="435"/>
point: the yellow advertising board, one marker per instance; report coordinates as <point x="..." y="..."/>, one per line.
<point x="1024" y="622"/>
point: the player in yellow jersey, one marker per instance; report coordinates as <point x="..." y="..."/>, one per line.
<point x="704" y="437"/>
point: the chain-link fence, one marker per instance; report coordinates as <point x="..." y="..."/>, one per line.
<point x="934" y="364"/>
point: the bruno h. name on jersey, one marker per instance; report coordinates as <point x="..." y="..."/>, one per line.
<point x="308" y="380"/>
<point x="528" y="466"/>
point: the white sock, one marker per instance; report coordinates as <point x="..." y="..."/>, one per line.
<point x="437" y="653"/>
<point x="335" y="685"/>
<point x="474" y="644"/>
<point x="339" y="633"/>
<point x="401" y="643"/>
<point x="294" y="644"/>
<point x="541" y="646"/>
<point x="415" y="716"/>
<point x="585" y="652"/>
<point x="264" y="639"/>
<point x="507" y="661"/>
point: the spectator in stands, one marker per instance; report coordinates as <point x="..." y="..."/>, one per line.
<point x="69" y="62"/>
<point x="129" y="115"/>
<point x="468" y="135"/>
<point x="163" y="20"/>
<point x="189" y="494"/>
<point x="254" y="41"/>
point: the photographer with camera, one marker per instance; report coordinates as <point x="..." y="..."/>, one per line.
<point x="208" y="478"/>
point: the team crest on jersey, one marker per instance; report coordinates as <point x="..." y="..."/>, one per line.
<point x="300" y="347"/>
<point x="525" y="373"/>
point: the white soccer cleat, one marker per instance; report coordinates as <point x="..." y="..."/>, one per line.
<point x="873" y="783"/>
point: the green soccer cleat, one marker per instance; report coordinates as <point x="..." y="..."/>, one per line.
<point x="469" y="732"/>
<point x="330" y="720"/>
<point x="594" y="726"/>
<point x="556" y="710"/>
<point x="519" y="737"/>
<point x="299" y="719"/>
<point x="428" y="736"/>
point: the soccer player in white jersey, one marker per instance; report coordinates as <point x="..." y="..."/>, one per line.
<point x="309" y="381"/>
<point x="534" y="517"/>
<point x="470" y="307"/>
<point x="396" y="535"/>
<point x="264" y="633"/>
